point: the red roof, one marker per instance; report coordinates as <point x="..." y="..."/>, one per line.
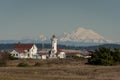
<point x="71" y="53"/>
<point x="23" y="46"/>
<point x="42" y="52"/>
<point x="20" y="50"/>
<point x="59" y="50"/>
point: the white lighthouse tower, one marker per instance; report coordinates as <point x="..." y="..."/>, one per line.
<point x="54" y="47"/>
<point x="54" y="43"/>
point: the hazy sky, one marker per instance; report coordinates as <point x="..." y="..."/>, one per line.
<point x="21" y="19"/>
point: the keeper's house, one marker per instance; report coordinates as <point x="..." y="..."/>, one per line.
<point x="25" y="51"/>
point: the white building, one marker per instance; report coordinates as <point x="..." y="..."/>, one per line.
<point x="25" y="51"/>
<point x="42" y="54"/>
<point x="54" y="52"/>
<point x="61" y="55"/>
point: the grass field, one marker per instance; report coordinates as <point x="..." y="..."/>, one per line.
<point x="58" y="70"/>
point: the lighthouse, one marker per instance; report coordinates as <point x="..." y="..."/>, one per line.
<point x="54" y="47"/>
<point x="54" y="43"/>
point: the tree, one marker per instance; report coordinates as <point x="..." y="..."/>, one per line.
<point x="101" y="56"/>
<point x="116" y="55"/>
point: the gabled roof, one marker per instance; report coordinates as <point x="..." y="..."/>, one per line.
<point x="42" y="52"/>
<point x="20" y="51"/>
<point x="72" y="53"/>
<point x="20" y="46"/>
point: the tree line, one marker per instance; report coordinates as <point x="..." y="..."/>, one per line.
<point x="105" y="56"/>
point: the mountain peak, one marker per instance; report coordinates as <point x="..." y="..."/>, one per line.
<point x="83" y="35"/>
<point x="80" y="29"/>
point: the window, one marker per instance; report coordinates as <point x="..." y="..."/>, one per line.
<point x="13" y="54"/>
<point x="16" y="54"/>
<point x="28" y="55"/>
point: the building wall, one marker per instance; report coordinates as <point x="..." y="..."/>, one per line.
<point x="15" y="54"/>
<point x="33" y="50"/>
<point x="44" y="56"/>
<point x="61" y="55"/>
<point x="32" y="53"/>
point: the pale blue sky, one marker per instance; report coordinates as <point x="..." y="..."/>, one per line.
<point x="30" y="18"/>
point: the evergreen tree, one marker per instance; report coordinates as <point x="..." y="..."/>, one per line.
<point x="102" y="56"/>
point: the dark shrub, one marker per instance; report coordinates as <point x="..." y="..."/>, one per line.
<point x="22" y="65"/>
<point x="116" y="55"/>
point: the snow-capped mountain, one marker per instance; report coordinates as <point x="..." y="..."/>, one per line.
<point x="79" y="37"/>
<point x="83" y="35"/>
